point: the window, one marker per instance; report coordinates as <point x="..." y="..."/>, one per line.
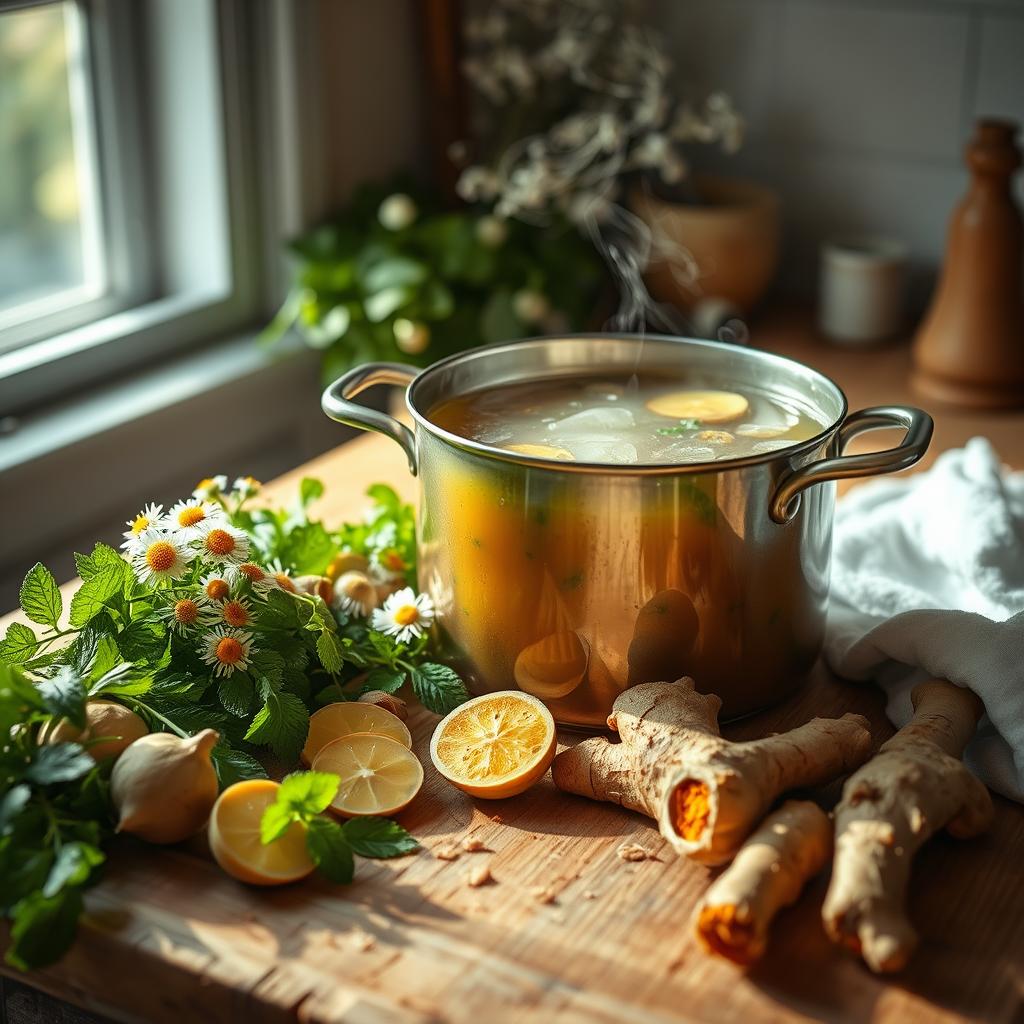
<point x="134" y="215"/>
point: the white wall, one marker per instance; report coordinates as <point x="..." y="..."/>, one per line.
<point x="857" y="109"/>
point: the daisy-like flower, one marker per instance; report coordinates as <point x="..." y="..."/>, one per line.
<point x="258" y="578"/>
<point x="282" y="577"/>
<point x="226" y="649"/>
<point x="355" y="594"/>
<point x="236" y="612"/>
<point x="186" y="613"/>
<point x="160" y="556"/>
<point x="388" y="565"/>
<point x="149" y="516"/>
<point x="405" y="615"/>
<point x="189" y="518"/>
<point x="210" y="488"/>
<point x="219" y="541"/>
<point x="215" y="586"/>
<point x="247" y="487"/>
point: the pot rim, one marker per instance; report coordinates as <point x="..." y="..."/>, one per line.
<point x="633" y="469"/>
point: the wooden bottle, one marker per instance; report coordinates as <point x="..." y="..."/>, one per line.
<point x="969" y="349"/>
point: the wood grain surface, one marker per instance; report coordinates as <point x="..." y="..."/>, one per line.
<point x="567" y="931"/>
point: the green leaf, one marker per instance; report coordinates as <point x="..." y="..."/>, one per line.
<point x="499" y="321"/>
<point x="309" y="490"/>
<point x="91" y="597"/>
<point x="125" y="680"/>
<point x="436" y="301"/>
<point x="40" y="596"/>
<point x="12" y="803"/>
<point x="276" y="821"/>
<point x="301" y="797"/>
<point x="43" y="928"/>
<point x="328" y="649"/>
<point x="62" y="762"/>
<point x="381" y="305"/>
<point x="438" y="688"/>
<point x="384" y="679"/>
<point x="396" y="272"/>
<point x="64" y="695"/>
<point x="18" y="645"/>
<point x="235" y="693"/>
<point x="332" y="327"/>
<point x="235" y="765"/>
<point x="103" y="556"/>
<point x="73" y="866"/>
<point x="143" y="641"/>
<point x="282" y="724"/>
<point x="308" y="549"/>
<point x="329" y="850"/>
<point x="378" y="837"/>
<point x="106" y="657"/>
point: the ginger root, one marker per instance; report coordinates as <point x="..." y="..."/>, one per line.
<point x="915" y="786"/>
<point x="789" y="847"/>
<point x="706" y="793"/>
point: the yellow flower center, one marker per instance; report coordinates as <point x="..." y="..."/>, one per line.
<point x="252" y="572"/>
<point x="219" y="542"/>
<point x="251" y="482"/>
<point x="217" y="590"/>
<point x="284" y="582"/>
<point x="229" y="651"/>
<point x="191" y="515"/>
<point x="186" y="611"/>
<point x="206" y="485"/>
<point x="394" y="561"/>
<point x="161" y="556"/>
<point x="141" y="523"/>
<point x="407" y="614"/>
<point x="235" y="614"/>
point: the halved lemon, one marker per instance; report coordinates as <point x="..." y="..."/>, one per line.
<point x="544" y="451"/>
<point x="706" y="406"/>
<point x="378" y="775"/>
<point x="496" y="745"/>
<point x="347" y="718"/>
<point x="234" y="834"/>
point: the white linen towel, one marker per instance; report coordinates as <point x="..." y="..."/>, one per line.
<point x="928" y="581"/>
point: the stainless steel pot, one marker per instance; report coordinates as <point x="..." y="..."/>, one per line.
<point x="573" y="581"/>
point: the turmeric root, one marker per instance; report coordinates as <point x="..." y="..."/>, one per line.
<point x="706" y="793"/>
<point x="789" y="847"/>
<point x="915" y="786"/>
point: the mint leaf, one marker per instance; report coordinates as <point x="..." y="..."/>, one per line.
<point x="63" y="762"/>
<point x="43" y="927"/>
<point x="685" y="426"/>
<point x="73" y="866"/>
<point x="234" y="765"/>
<point x="235" y="693"/>
<point x="329" y="850"/>
<point x="301" y="797"/>
<point x="144" y="640"/>
<point x="378" y="837"/>
<point x="18" y="645"/>
<point x="328" y="649"/>
<point x="91" y="597"/>
<point x="64" y="695"/>
<point x="103" y="556"/>
<point x="12" y="803"/>
<point x="276" y="820"/>
<point x="123" y="679"/>
<point x="40" y="596"/>
<point x="385" y="679"/>
<point x="308" y="549"/>
<point x="282" y="724"/>
<point x="269" y="666"/>
<point x="438" y="688"/>
<point x="309" y="490"/>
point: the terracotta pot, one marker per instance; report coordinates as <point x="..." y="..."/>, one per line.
<point x="733" y="238"/>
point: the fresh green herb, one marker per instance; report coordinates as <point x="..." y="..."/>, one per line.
<point x="302" y="798"/>
<point x="684" y="427"/>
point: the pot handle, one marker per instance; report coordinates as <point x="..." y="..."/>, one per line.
<point x="337" y="403"/>
<point x="918" y="426"/>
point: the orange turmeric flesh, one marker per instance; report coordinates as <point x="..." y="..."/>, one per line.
<point x="723" y="931"/>
<point x="691" y="809"/>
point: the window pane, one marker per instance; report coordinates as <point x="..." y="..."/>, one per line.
<point x="49" y="240"/>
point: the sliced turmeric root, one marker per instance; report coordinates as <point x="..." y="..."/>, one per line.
<point x="705" y="406"/>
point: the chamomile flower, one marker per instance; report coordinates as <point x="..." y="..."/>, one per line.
<point x="405" y="615"/>
<point x="188" y="518"/>
<point x="149" y="516"/>
<point x="355" y="594"/>
<point x="215" y="586"/>
<point x="219" y="541"/>
<point x="210" y="488"/>
<point x="187" y="613"/>
<point x="236" y="612"/>
<point x="388" y="565"/>
<point x="160" y="556"/>
<point x="247" y="487"/>
<point x="258" y="578"/>
<point x="226" y="649"/>
<point x="282" y="577"/>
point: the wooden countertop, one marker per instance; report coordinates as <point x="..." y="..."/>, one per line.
<point x="170" y="938"/>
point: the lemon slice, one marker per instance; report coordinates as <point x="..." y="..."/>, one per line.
<point x="496" y="745"/>
<point x="378" y="775"/>
<point x="543" y="451"/>
<point x="347" y="717"/>
<point x="234" y="833"/>
<point x="706" y="406"/>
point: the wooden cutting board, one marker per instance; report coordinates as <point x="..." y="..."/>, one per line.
<point x="567" y="931"/>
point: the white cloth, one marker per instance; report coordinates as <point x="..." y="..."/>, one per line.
<point x="928" y="582"/>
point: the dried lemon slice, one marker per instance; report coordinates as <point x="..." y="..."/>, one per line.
<point x="334" y="721"/>
<point x="496" y="745"/>
<point x="234" y="834"/>
<point x="543" y="451"/>
<point x="706" y="406"/>
<point x="378" y="774"/>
